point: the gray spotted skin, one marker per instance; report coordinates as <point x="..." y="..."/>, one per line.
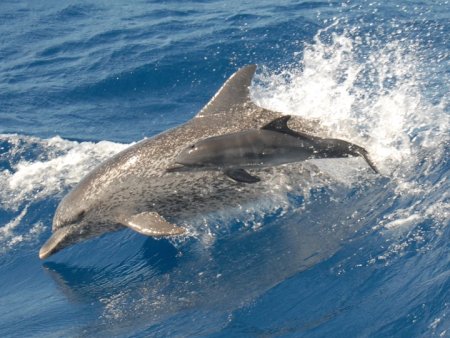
<point x="135" y="180"/>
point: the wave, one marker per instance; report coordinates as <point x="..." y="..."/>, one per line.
<point x="34" y="169"/>
<point x="362" y="90"/>
<point x="371" y="96"/>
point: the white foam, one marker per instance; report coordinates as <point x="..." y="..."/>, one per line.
<point x="64" y="163"/>
<point x="369" y="93"/>
<point x="373" y="100"/>
<point x="56" y="166"/>
<point x="4" y="231"/>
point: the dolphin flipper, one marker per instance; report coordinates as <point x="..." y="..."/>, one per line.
<point x="152" y="224"/>
<point x="240" y="175"/>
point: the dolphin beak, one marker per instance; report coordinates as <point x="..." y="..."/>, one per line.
<point x="54" y="244"/>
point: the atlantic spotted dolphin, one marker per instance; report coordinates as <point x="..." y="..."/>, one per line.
<point x="135" y="190"/>
<point x="273" y="144"/>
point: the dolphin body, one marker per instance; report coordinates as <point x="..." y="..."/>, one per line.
<point x="274" y="144"/>
<point x="134" y="189"/>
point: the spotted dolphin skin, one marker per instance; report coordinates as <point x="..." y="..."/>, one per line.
<point x="135" y="190"/>
<point x="274" y="144"/>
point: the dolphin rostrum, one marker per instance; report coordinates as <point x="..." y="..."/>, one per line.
<point x="274" y="144"/>
<point x="134" y="189"/>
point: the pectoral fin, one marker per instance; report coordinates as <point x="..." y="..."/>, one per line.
<point x="152" y="224"/>
<point x="240" y="175"/>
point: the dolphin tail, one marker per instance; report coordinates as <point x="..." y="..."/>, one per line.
<point x="363" y="153"/>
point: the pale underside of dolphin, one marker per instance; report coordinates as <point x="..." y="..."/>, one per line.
<point x="134" y="189"/>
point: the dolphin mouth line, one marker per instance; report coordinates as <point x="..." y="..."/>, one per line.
<point x="177" y="168"/>
<point x="53" y="244"/>
<point x="180" y="167"/>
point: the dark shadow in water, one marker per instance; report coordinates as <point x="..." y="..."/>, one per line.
<point x="160" y="254"/>
<point x="81" y="284"/>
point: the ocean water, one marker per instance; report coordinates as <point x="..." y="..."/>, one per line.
<point x="354" y="255"/>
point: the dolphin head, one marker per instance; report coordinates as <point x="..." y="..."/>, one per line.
<point x="228" y="150"/>
<point x="188" y="156"/>
<point x="68" y="224"/>
<point x="77" y="218"/>
<point x="203" y="153"/>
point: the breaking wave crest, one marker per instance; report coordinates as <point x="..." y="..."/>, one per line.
<point x="35" y="169"/>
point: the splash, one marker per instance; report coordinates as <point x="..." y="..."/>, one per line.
<point x="57" y="165"/>
<point x="10" y="236"/>
<point x="371" y="96"/>
<point x="34" y="169"/>
<point x="375" y="94"/>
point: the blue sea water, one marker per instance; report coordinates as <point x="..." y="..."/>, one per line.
<point x="352" y="254"/>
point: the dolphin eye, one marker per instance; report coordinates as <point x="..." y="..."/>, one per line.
<point x="193" y="146"/>
<point x="79" y="216"/>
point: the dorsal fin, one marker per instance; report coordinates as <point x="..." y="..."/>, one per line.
<point x="234" y="92"/>
<point x="280" y="126"/>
